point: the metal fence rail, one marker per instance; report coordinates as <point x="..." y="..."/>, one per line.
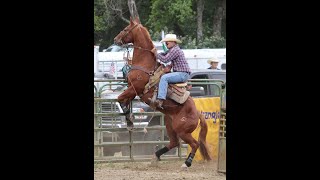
<point x="222" y="154"/>
<point x="131" y="143"/>
<point x="100" y="144"/>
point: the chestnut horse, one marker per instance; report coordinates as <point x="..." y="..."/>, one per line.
<point x="180" y="119"/>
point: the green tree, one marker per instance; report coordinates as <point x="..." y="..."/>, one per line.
<point x="181" y="17"/>
<point x="175" y="15"/>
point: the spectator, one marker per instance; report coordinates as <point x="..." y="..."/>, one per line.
<point x="214" y="63"/>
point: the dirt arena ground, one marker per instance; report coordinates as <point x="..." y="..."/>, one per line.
<point x="164" y="170"/>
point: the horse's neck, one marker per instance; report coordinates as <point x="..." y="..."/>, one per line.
<point x="143" y="57"/>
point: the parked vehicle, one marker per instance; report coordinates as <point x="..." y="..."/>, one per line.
<point x="209" y="90"/>
<point x="114" y="48"/>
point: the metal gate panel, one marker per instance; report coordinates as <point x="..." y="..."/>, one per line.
<point x="222" y="144"/>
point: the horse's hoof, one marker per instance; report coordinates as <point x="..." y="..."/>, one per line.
<point x="155" y="158"/>
<point x="184" y="167"/>
<point x="154" y="161"/>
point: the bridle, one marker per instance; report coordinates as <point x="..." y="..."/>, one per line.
<point x="125" y="33"/>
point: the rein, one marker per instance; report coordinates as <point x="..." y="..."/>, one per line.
<point x="127" y="32"/>
<point x="138" y="47"/>
<point x="150" y="73"/>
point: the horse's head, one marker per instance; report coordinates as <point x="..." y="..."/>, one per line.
<point x="126" y="35"/>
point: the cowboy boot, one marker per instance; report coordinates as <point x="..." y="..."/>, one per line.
<point x="159" y="103"/>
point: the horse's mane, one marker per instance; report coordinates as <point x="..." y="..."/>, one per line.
<point x="147" y="35"/>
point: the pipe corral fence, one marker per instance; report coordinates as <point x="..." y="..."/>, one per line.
<point x="114" y="143"/>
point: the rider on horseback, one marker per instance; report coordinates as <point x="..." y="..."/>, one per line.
<point x="181" y="71"/>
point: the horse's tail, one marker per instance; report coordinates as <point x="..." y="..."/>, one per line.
<point x="202" y="138"/>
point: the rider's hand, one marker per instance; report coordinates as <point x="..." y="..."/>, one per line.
<point x="154" y="51"/>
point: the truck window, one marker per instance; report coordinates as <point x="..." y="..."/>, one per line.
<point x="224" y="66"/>
<point x="201" y="89"/>
<point x="208" y="90"/>
<point x="214" y="88"/>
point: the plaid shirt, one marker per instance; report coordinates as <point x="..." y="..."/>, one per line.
<point x="176" y="56"/>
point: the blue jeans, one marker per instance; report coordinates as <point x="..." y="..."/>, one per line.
<point x="171" y="78"/>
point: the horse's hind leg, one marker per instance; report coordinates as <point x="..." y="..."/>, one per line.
<point x="187" y="137"/>
<point x="174" y="141"/>
<point x="124" y="99"/>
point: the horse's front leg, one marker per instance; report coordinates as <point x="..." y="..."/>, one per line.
<point x="124" y="99"/>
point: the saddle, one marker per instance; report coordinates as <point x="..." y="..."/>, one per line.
<point x="177" y="92"/>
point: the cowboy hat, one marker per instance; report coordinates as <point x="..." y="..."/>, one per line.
<point x="170" y="37"/>
<point x="212" y="60"/>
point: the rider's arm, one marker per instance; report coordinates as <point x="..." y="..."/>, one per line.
<point x="172" y="54"/>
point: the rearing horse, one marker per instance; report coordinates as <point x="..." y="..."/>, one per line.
<point x="180" y="119"/>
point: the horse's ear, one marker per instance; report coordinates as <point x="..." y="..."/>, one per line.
<point x="137" y="20"/>
<point x="131" y="21"/>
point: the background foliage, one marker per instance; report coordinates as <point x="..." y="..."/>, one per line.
<point x="171" y="16"/>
